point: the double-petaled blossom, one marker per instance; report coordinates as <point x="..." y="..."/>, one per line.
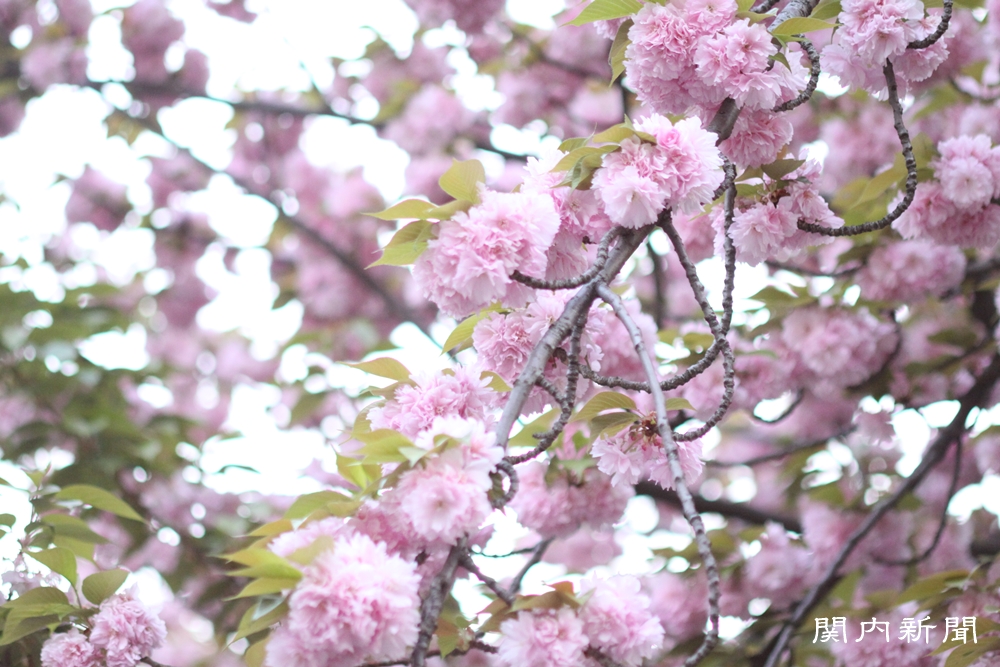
<point x="355" y="603"/>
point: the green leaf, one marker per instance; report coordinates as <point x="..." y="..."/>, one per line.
<point x="525" y="437"/>
<point x="74" y="527"/>
<point x="255" y="619"/>
<point x="462" y="180"/>
<point x="99" y="498"/>
<point x="882" y="182"/>
<point x="44" y="595"/>
<point x="826" y="9"/>
<point x="781" y="168"/>
<point x="932" y="585"/>
<point x="265" y="586"/>
<point x="606" y="400"/>
<point x="310" y="502"/>
<point x="385" y="367"/>
<point x="462" y="334"/>
<point x="614" y="135"/>
<point x="572" y="144"/>
<point x="99" y="586"/>
<point x="799" y="25"/>
<point x="59" y="560"/>
<point x="744" y="5"/>
<point x="613" y="421"/>
<point x="616" y="57"/>
<point x="411" y="208"/>
<point x="602" y="10"/>
<point x="497" y="383"/>
<point x="965" y="654"/>
<point x="7" y="519"/>
<point x="18" y="628"/>
<point x="406" y="245"/>
<point x="678" y="404"/>
<point x="255" y="654"/>
<point x="272" y="528"/>
<point x="383" y="446"/>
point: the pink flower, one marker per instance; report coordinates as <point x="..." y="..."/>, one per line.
<point x="692" y="163"/>
<point x="735" y="61"/>
<point x="70" y="649"/>
<point x="679" y="603"/>
<point x="617" y="619"/>
<point x="469" y="264"/>
<point x="542" y="638"/>
<point x="628" y="184"/>
<point x="414" y="407"/>
<point x="911" y="270"/>
<point x="636" y="453"/>
<point x="559" y="506"/>
<point x="760" y="232"/>
<point x="757" y="138"/>
<point x="838" y="347"/>
<point x="969" y="170"/>
<point x="780" y="571"/>
<point x="354" y="604"/>
<point x="443" y="502"/>
<point x="126" y="630"/>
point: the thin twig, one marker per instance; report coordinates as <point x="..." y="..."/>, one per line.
<point x="536" y="558"/>
<point x="491" y="583"/>
<point x="680" y="485"/>
<point x="911" y="171"/>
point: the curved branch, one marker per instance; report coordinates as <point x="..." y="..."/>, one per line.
<point x="911" y="171"/>
<point x="814" y="72"/>
<point x="942" y="28"/>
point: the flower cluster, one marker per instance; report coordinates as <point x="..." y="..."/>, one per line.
<point x="469" y="264"/>
<point x="615" y="621"/>
<point x="694" y="54"/>
<point x="356" y="603"/>
<point x="122" y="633"/>
<point x="682" y="170"/>
<point x="958" y="208"/>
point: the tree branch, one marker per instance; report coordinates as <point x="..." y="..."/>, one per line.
<point x="935" y="452"/>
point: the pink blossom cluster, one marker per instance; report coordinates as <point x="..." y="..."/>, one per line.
<point x="637" y="453"/>
<point x="356" y="603"/>
<point x="695" y="54"/>
<point x="957" y="208"/>
<point x="444" y="496"/>
<point x="682" y="170"/>
<point x="767" y="228"/>
<point x="504" y="341"/>
<point x="463" y="392"/>
<point x="872" y="32"/>
<point x="618" y="620"/>
<point x="615" y="620"/>
<point x="123" y="632"/>
<point x="837" y="347"/>
<point x="911" y="270"/>
<point x="469" y="263"/>
<point x="555" y="502"/>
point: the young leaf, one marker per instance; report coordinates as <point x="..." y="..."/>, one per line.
<point x="99" y="586"/>
<point x="411" y="208"/>
<point x="462" y="180"/>
<point x="462" y="333"/>
<point x="606" y="400"/>
<point x="616" y="57"/>
<point x="99" y="498"/>
<point x="799" y="25"/>
<point x="59" y="560"/>
<point x="602" y="10"/>
<point x="385" y="367"/>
